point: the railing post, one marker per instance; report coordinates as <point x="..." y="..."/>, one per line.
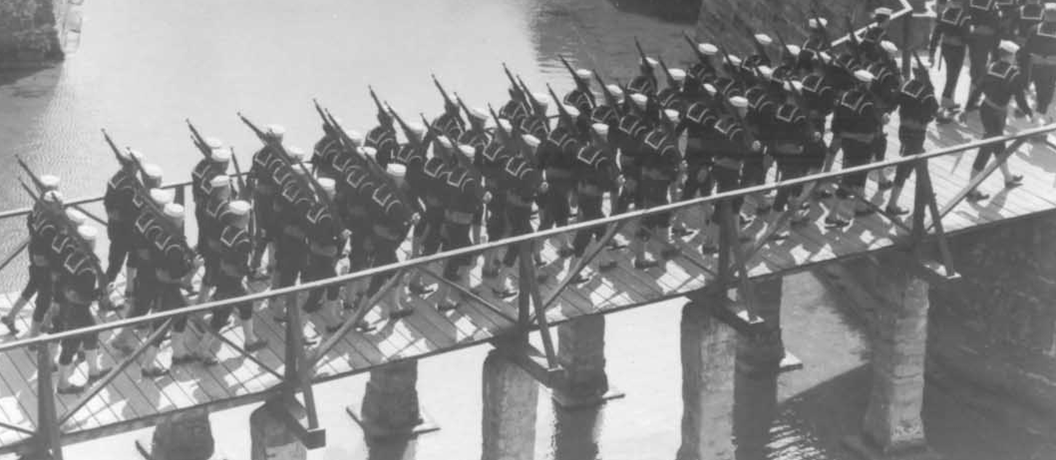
<point x="907" y="26"/>
<point x="48" y="433"/>
<point x="919" y="202"/>
<point x="525" y="270"/>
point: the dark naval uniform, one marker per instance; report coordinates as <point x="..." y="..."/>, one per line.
<point x="952" y="30"/>
<point x="324" y="248"/>
<point x="556" y="156"/>
<point x="383" y="139"/>
<point x="792" y="132"/>
<point x="522" y="182"/>
<point x="491" y="162"/>
<point x="173" y="261"/>
<point x="235" y="248"/>
<point x="326" y="154"/>
<point x="916" y="109"/>
<point x="76" y="285"/>
<point x="628" y="138"/>
<point x="856" y="121"/>
<point x="701" y="140"/>
<point x="391" y="220"/>
<point x="1039" y="55"/>
<point x="819" y="98"/>
<point x="659" y="163"/>
<point x="120" y="214"/>
<point x="1001" y="83"/>
<point x="983" y="38"/>
<point x="44" y="229"/>
<point x="463" y="195"/>
<point x="595" y="172"/>
<point x="450" y="124"/>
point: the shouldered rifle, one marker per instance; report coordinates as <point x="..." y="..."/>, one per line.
<point x="319" y="110"/>
<point x="532" y="101"/>
<point x="342" y="135"/>
<point x="447" y="100"/>
<point x="696" y="51"/>
<point x="281" y="152"/>
<point x="671" y="83"/>
<point x="408" y="133"/>
<point x="381" y="109"/>
<point x="610" y="99"/>
<point x="516" y="90"/>
<point x="726" y="58"/>
<point x="199" y="141"/>
<point x="562" y="113"/>
<point x="242" y="189"/>
<point x="644" y="60"/>
<point x="922" y="71"/>
<point x="784" y="45"/>
<point x="509" y="139"/>
<point x="469" y="115"/>
<point x="435" y="134"/>
<point x="759" y="48"/>
<point x="579" y="81"/>
<point x="852" y="39"/>
<point x="815" y="9"/>
<point x="113" y="148"/>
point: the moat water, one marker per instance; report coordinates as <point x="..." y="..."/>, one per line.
<point x="140" y="68"/>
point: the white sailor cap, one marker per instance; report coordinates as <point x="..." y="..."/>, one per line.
<point x="542" y="99"/>
<point x="396" y="170"/>
<point x="794" y="86"/>
<point x="763" y="39"/>
<point x="355" y="136"/>
<point x="369" y="151"/>
<point x="572" y="111"/>
<point x="882" y="12"/>
<point x="239" y="208"/>
<point x="640" y="100"/>
<point x="297" y="154"/>
<point x="49" y="182"/>
<point x="735" y="60"/>
<point x="825" y="57"/>
<point x="601" y="129"/>
<point x="1050" y="12"/>
<point x="1009" y="47"/>
<point x="213" y="143"/>
<point x="417" y="128"/>
<point x="300" y="168"/>
<point x="505" y="125"/>
<point x="531" y="140"/>
<point x="467" y="150"/>
<point x="161" y="197"/>
<point x="275" y="131"/>
<point x="817" y="23"/>
<point x="152" y="171"/>
<point x="328" y="185"/>
<point x="672" y="115"/>
<point x="52" y="196"/>
<point x="888" y="46"/>
<point x="444" y="141"/>
<point x="739" y="102"/>
<point x="174" y="211"/>
<point x="710" y="88"/>
<point x="136" y="154"/>
<point x="220" y="155"/>
<point x="708" y="49"/>
<point x="478" y="113"/>
<point x="863" y="75"/>
<point x="122" y="154"/>
<point x="584" y="74"/>
<point x="765" y="71"/>
<point x="614" y="89"/>
<point x="794" y="50"/>
<point x="75" y="216"/>
<point x="677" y="74"/>
<point x="220" y="181"/>
<point x="88" y="233"/>
<point x="652" y="62"/>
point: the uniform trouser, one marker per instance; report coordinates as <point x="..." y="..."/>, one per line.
<point x="693" y="184"/>
<point x="790" y="168"/>
<point x="855" y="153"/>
<point x="120" y="237"/>
<point x="319" y="268"/>
<point x="654" y="193"/>
<point x="145" y="285"/>
<point x="953" y="56"/>
<point x="428" y="230"/>
<point x="912" y="141"/>
<point x="726" y="180"/>
<point x="979" y="49"/>
<point x="496" y="224"/>
<point x="628" y="196"/>
<point x="291" y="257"/>
<point x="212" y="266"/>
<point x="360" y="254"/>
<point x="229" y="288"/>
<point x="879" y="145"/>
<point x="753" y="173"/>
<point x="993" y="126"/>
<point x="384" y="254"/>
<point x="555" y="205"/>
<point x="519" y="220"/>
<point x="40" y="284"/>
<point x="589" y="209"/>
<point x="455" y="236"/>
<point x="170" y="297"/>
<point x="199" y="217"/>
<point x="1044" y="77"/>
<point x="75" y="317"/>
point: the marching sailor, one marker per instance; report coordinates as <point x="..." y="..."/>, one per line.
<point x="41" y="233"/>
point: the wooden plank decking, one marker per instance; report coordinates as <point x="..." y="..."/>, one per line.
<point x="131" y="402"/>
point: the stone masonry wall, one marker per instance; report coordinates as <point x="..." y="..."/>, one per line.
<point x="28" y="31"/>
<point x="997" y="327"/>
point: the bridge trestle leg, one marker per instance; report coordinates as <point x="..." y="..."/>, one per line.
<point x="511" y="397"/>
<point x="390" y="407"/>
<point x="581" y="353"/>
<point x="708" y="349"/>
<point x="186" y="435"/>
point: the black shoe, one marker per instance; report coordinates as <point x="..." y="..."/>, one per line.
<point x="864" y="212"/>
<point x="153" y="372"/>
<point x="836" y="222"/>
<point x="333" y="328"/>
<point x="778" y="236"/>
<point x="799" y="222"/>
<point x="976" y="195"/>
<point x="886" y="184"/>
<point x="580" y="278"/>
<point x="10" y="324"/>
<point x="566" y="252"/>
<point x="607" y="266"/>
<point x="894" y="210"/>
<point x="681" y="231"/>
<point x="92" y="378"/>
<point x="1015" y="181"/>
<point x="822" y="194"/>
<point x="645" y="264"/>
<point x="256" y="345"/>
<point x="708" y="249"/>
<point x="401" y="313"/>
<point x="70" y="390"/>
<point x="670" y="253"/>
<point x="447" y="305"/>
<point x="420" y="290"/>
<point x="181" y="360"/>
<point x="505" y="293"/>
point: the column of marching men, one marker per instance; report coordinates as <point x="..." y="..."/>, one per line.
<point x="476" y="174"/>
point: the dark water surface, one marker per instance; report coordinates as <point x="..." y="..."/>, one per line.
<point x="142" y="67"/>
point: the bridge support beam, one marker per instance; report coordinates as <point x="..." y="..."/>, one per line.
<point x="708" y="347"/>
<point x="390" y="406"/>
<point x="511" y="396"/>
<point x="581" y="353"/>
<point x="892" y="426"/>
<point x="763" y="351"/>
<point x="184" y="435"/>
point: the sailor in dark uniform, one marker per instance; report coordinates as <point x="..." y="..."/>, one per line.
<point x="392" y="218"/>
<point x="631" y="132"/>
<point x="330" y="155"/>
<point x="206" y="169"/>
<point x="477" y="138"/>
<point x="325" y="237"/>
<point x="817" y="42"/>
<point x="1026" y="16"/>
<point x="735" y="143"/>
<point x="982" y="40"/>
<point x="119" y="216"/>
<point x="885" y="88"/>
<point x="952" y="30"/>
<point x="855" y="124"/>
<point x="173" y="264"/>
<point x="794" y="131"/>
<point x="645" y="82"/>
<point x="210" y="224"/>
<point x="234" y="252"/>
<point x="661" y="164"/>
<point x="463" y="195"/>
<point x="491" y="162"/>
<point x="916" y="110"/>
<point x="76" y="289"/>
<point x="1039" y="55"/>
<point x="263" y="188"/>
<point x="875" y="34"/>
<point x="41" y="232"/>
<point x="382" y="137"/>
<point x="582" y="98"/>
<point x="352" y="198"/>
<point x="1002" y="82"/>
<point x="522" y="183"/>
<point x="596" y="173"/>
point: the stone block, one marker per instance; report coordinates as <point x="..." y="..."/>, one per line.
<point x="271" y="439"/>
<point x="510" y="401"/>
<point x="184" y="435"/>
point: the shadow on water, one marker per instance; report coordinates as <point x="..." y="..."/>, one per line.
<point x="676" y="11"/>
<point x="576" y="433"/>
<point x="392" y="450"/>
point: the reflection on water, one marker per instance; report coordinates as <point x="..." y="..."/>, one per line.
<point x="142" y="67"/>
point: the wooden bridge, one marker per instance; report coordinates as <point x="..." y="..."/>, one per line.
<point x="31" y="412"/>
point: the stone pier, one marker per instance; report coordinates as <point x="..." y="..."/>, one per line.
<point x="708" y="364"/>
<point x="581" y="353"/>
<point x="271" y="438"/>
<point x="511" y="396"/>
<point x="763" y="351"/>
<point x="390" y="406"/>
<point x="183" y="436"/>
<point x="576" y="433"/>
<point x="759" y="362"/>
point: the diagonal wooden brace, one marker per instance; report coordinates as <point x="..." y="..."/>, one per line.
<point x="291" y="412"/>
<point x="987" y="171"/>
<point x="581" y="264"/>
